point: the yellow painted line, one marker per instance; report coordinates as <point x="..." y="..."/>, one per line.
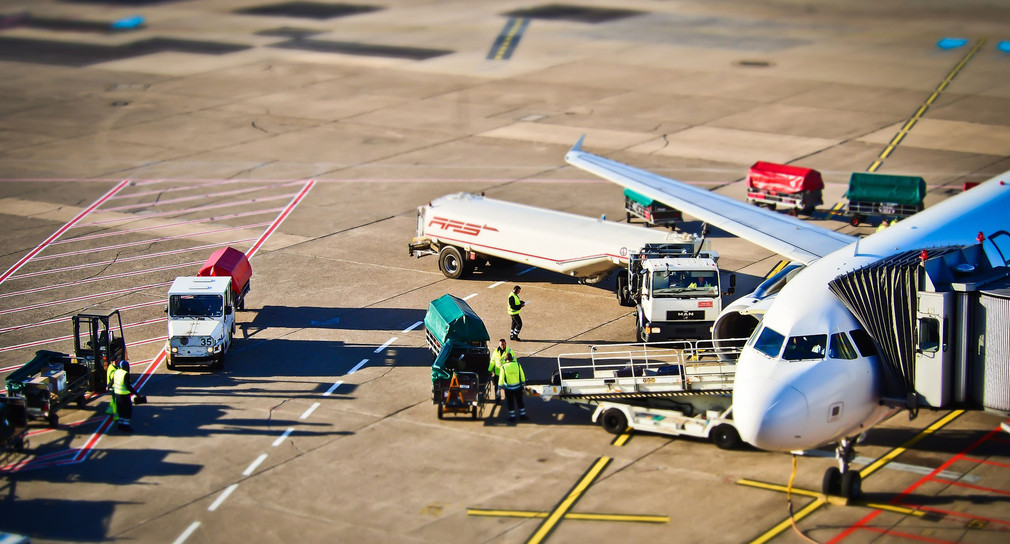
<point x="566" y="504"/>
<point x="924" y="107"/>
<point x="516" y="25"/>
<point x="814" y="494"/>
<point x="870" y="469"/>
<point x="533" y="514"/>
<point x="622" y="439"/>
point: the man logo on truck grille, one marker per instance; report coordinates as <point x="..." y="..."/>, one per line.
<point x="459" y="226"/>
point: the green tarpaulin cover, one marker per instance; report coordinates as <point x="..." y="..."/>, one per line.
<point x="452" y="318"/>
<point x="640" y="198"/>
<point x="866" y="187"/>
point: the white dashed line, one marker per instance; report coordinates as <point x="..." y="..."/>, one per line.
<point x="280" y="439"/>
<point x="222" y="498"/>
<point x="412" y="327"/>
<point x="495" y="284"/>
<point x="185" y="534"/>
<point x="255" y="464"/>
<point x="333" y="388"/>
<point x="386" y="345"/>
<point x="357" y="366"/>
<point x="309" y="411"/>
<point x="470" y="296"/>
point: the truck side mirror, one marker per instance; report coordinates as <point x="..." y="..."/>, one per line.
<point x="166" y="308"/>
<point x="732" y="285"/>
<point x="227" y="309"/>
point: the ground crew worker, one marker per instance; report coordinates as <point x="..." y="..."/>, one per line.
<point x="882" y="225"/>
<point x="513" y="381"/>
<point x="498" y="357"/>
<point x="121" y="389"/>
<point x="110" y="369"/>
<point x="515" y="306"/>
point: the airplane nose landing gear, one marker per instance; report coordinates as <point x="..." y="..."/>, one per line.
<point x="841" y="480"/>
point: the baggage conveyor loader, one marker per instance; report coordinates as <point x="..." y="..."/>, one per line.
<point x="671" y="388"/>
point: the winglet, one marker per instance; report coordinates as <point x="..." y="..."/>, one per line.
<point x="578" y="144"/>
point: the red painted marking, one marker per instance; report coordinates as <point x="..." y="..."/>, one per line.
<point x="188" y="210"/>
<point x="198" y="197"/>
<point x="99" y="278"/>
<point x="151" y="241"/>
<point x="85" y="297"/>
<point x="986" y="461"/>
<point x="120" y="232"/>
<point x="975" y="487"/>
<point x="62" y="229"/>
<point x="891" y="532"/>
<point x="70" y="336"/>
<point x="954" y="514"/>
<point x="280" y="219"/>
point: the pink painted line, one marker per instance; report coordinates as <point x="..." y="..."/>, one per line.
<point x="198" y="197"/>
<point x="167" y="225"/>
<point x="129" y="259"/>
<point x="85" y="297"/>
<point x="65" y="319"/>
<point x="187" y="210"/>
<point x="62" y="229"/>
<point x="150" y="241"/>
<point x="99" y="278"/>
<point x="280" y="218"/>
<point x="199" y="185"/>
<point x="70" y="336"/>
<point x="37" y="432"/>
<point x="909" y="536"/>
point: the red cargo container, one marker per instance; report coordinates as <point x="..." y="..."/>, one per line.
<point x="230" y="262"/>
<point x="791" y="187"/>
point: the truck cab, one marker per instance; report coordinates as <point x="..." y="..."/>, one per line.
<point x="201" y="321"/>
<point x="680" y="297"/>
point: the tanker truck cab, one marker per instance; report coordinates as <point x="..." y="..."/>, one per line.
<point x="680" y="297"/>
<point x="201" y="321"/>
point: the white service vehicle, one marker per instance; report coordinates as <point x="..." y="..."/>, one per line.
<point x="671" y="388"/>
<point x="201" y="321"/>
<point x="672" y="278"/>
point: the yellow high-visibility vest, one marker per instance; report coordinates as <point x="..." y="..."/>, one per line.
<point x="516" y="302"/>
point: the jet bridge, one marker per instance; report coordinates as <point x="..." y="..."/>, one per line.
<point x="939" y="318"/>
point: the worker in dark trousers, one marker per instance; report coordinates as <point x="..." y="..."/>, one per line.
<point x="498" y="357"/>
<point x="122" y="389"/>
<point x="516" y="306"/>
<point x="513" y="381"/>
<point x="110" y="370"/>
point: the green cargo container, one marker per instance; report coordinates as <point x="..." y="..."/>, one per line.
<point x="884" y="188"/>
<point x="457" y="338"/>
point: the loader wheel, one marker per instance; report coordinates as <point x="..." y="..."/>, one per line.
<point x="614" y="421"/>
<point x="451" y="263"/>
<point x="725" y="437"/>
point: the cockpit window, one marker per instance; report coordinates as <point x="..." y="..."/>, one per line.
<point x="840" y="347"/>
<point x="863" y="342"/>
<point x="805" y="347"/>
<point x="769" y="342"/>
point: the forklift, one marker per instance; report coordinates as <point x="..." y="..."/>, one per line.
<point x="51" y="380"/>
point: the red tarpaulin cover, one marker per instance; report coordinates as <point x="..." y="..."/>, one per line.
<point x="782" y="178"/>
<point x="228" y="262"/>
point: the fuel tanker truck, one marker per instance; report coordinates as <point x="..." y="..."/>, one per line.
<point x="672" y="279"/>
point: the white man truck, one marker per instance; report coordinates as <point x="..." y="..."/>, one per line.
<point x="201" y="310"/>
<point x="671" y="278"/>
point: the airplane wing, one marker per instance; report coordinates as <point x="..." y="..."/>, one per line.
<point x="794" y="239"/>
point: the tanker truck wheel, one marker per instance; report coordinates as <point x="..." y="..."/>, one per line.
<point x="452" y="264"/>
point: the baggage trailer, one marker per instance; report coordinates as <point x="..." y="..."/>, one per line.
<point x="52" y="380"/>
<point x="671" y="388"/>
<point x="231" y="263"/>
<point x="457" y="339"/>
<point x="671" y="278"/>
<point x="652" y="212"/>
<point x="784" y="186"/>
<point x="883" y="195"/>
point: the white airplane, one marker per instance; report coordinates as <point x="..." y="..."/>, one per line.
<point x="785" y="400"/>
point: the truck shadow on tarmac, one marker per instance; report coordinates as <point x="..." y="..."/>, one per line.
<point x="320" y="317"/>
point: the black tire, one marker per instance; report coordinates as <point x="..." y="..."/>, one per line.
<point x="793" y="212"/>
<point x="623" y="291"/>
<point x="473" y="413"/>
<point x="81" y="401"/>
<point x="852" y="484"/>
<point x="54" y="419"/>
<point x="725" y="437"/>
<point x="614" y="421"/>
<point x="452" y="264"/>
<point x="170" y="363"/>
<point x="440" y="411"/>
<point x="641" y="334"/>
<point x="831" y="484"/>
<point x="218" y="363"/>
<point x="19" y="444"/>
<point x="855" y="220"/>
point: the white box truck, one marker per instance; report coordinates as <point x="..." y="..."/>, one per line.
<point x="671" y="278"/>
<point x="201" y="321"/>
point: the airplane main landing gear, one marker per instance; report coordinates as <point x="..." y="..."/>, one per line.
<point x="841" y="480"/>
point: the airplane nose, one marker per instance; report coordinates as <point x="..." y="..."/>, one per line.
<point x="774" y="421"/>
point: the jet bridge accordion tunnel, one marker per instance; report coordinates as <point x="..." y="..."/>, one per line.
<point x="940" y="320"/>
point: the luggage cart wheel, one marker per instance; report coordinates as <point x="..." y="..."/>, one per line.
<point x="53" y="418"/>
<point x="81" y="401"/>
<point x="473" y="412"/>
<point x="19" y="444"/>
<point x="440" y="410"/>
<point x="854" y="221"/>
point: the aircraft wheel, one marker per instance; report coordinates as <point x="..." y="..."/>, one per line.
<point x="832" y="482"/>
<point x="614" y="421"/>
<point x="852" y="484"/>
<point x="725" y="437"/>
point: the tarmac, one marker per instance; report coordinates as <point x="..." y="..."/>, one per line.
<point x="308" y="134"/>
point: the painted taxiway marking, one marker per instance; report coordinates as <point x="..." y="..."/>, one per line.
<point x="925" y="106"/>
<point x="186" y="534"/>
<point x="221" y="498"/>
<point x="386" y="345"/>
<point x="412" y="327"/>
<point x="333" y="388"/>
<point x="45" y="243"/>
<point x="308" y="412"/>
<point x="468" y="297"/>
<point x="280" y="439"/>
<point x="358" y="366"/>
<point x="280" y="218"/>
<point x="495" y="284"/>
<point x="551" y="521"/>
<point x="254" y="465"/>
<point x="508" y="39"/>
<point x="530" y="514"/>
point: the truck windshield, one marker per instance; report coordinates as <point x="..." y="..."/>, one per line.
<point x="683" y="283"/>
<point x="195" y="305"/>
